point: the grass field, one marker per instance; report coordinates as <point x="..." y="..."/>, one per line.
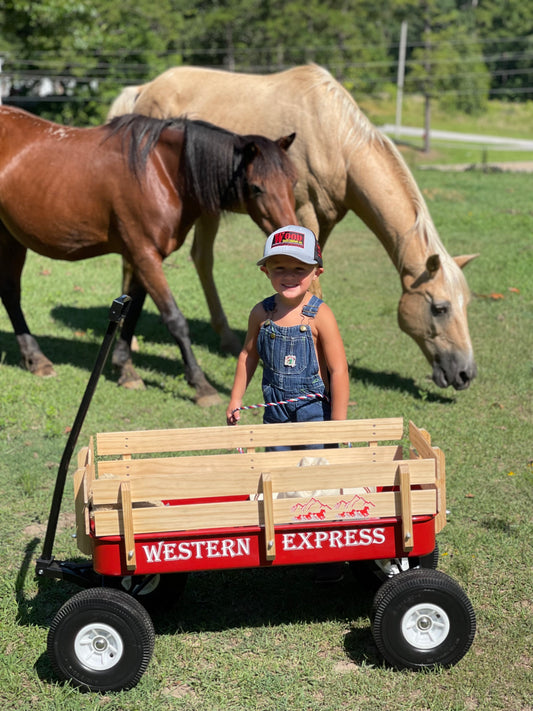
<point x="272" y="640"/>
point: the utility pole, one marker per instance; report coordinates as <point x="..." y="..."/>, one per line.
<point x="401" y="75"/>
<point x="427" y="98"/>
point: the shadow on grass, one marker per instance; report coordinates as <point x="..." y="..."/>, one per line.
<point x="82" y="355"/>
<point x="95" y="320"/>
<point x="395" y="382"/>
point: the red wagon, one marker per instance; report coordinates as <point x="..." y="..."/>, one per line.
<point x="152" y="506"/>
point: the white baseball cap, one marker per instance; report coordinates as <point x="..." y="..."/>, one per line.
<point x="293" y="241"/>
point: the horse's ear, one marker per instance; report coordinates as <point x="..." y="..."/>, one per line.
<point x="285" y="142"/>
<point x="433" y="264"/>
<point x="464" y="259"/>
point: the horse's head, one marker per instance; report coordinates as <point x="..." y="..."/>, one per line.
<point x="432" y="311"/>
<point x="270" y="178"/>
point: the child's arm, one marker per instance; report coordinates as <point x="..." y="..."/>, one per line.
<point x="246" y="365"/>
<point x="329" y="341"/>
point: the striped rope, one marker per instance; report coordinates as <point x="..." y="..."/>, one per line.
<point x="308" y="396"/>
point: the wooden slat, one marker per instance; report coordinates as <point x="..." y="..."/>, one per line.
<point x="421" y="441"/>
<point x="219" y="464"/>
<point x="83" y="457"/>
<point x="83" y="540"/>
<point x="90" y="466"/>
<point x="268" y="512"/>
<point x="127" y="525"/>
<point x="237" y="482"/>
<point x="405" y="498"/>
<point x="205" y="438"/>
<point x="248" y="513"/>
<point x="440" y="518"/>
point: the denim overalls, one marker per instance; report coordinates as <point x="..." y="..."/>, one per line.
<point x="290" y="368"/>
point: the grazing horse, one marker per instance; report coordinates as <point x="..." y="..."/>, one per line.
<point x="343" y="163"/>
<point x="134" y="186"/>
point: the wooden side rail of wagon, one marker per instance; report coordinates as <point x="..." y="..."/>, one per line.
<point x="125" y="496"/>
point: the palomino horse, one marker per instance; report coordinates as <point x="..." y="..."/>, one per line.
<point x="343" y="163"/>
<point x="135" y="187"/>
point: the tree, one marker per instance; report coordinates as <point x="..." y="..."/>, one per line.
<point x="436" y="67"/>
<point x="85" y="49"/>
<point x="508" y="45"/>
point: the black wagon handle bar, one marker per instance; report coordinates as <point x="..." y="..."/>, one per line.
<point x="117" y="312"/>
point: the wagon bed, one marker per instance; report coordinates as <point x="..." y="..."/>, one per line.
<point x="204" y="498"/>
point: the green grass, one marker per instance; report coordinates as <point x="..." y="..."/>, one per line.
<point x="271" y="640"/>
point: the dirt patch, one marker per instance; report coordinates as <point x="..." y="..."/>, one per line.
<point x="38" y="530"/>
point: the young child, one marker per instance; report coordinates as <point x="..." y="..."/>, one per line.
<point x="296" y="336"/>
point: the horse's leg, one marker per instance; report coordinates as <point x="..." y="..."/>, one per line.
<point x="127" y="274"/>
<point x="205" y="231"/>
<point x="150" y="273"/>
<point x="12" y="258"/>
<point x="121" y="359"/>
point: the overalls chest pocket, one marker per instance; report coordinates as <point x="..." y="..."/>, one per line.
<point x="290" y="354"/>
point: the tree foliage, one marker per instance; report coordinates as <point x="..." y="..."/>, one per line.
<point x="87" y="50"/>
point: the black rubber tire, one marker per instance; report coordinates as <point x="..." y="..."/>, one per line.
<point x="429" y="561"/>
<point x="155" y="592"/>
<point x="101" y="640"/>
<point x="422" y="619"/>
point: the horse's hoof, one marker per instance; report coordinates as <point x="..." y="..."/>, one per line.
<point x="132" y="383"/>
<point x="41" y="368"/>
<point x="208" y="400"/>
<point x="45" y="371"/>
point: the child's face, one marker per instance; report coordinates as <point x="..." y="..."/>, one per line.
<point x="290" y="277"/>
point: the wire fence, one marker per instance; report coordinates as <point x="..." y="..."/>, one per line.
<point x="509" y="70"/>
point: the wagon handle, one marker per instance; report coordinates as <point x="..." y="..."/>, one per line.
<point x="117" y="312"/>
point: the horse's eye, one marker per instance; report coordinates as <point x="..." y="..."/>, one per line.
<point x="439" y="309"/>
<point x="255" y="191"/>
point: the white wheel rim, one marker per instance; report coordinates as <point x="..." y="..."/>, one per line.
<point x="98" y="646"/>
<point x="425" y="626"/>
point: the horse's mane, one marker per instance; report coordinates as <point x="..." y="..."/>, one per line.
<point x="357" y="131"/>
<point x="215" y="159"/>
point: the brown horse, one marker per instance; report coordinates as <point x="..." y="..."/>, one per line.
<point x="134" y="186"/>
<point x="343" y="163"/>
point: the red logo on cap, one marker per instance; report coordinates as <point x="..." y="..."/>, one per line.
<point x="294" y="239"/>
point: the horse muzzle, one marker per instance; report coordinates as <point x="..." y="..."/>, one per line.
<point x="451" y="371"/>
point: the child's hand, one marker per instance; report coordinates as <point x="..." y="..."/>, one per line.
<point x="232" y="416"/>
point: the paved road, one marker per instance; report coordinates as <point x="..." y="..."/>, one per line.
<point x="518" y="144"/>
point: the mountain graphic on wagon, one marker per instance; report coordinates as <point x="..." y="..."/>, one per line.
<point x="315" y="509"/>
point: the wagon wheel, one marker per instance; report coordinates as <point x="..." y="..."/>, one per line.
<point x="422" y="618"/>
<point x="372" y="573"/>
<point x="101" y="640"/>
<point x="154" y="592"/>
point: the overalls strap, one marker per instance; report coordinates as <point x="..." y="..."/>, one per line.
<point x="312" y="307"/>
<point x="269" y="304"/>
<point x="309" y="310"/>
